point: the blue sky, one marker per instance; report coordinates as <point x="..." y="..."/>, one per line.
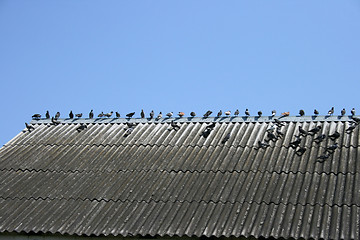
<point x="176" y="56"/>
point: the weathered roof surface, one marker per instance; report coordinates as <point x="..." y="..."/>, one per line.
<point x="159" y="181"/>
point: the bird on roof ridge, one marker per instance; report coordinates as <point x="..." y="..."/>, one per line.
<point x="219" y="113"/>
<point x="129" y="115"/>
<point x="316" y="112"/>
<point x="117" y="114"/>
<point x="181" y="114"/>
<point x="159" y="116"/>
<point x="331" y="111"/>
<point x="227" y="113"/>
<point x="353" y="111"/>
<point x="259" y="113"/>
<point x="108" y="114"/>
<point x="285" y="114"/>
<point x="247" y="113"/>
<point x="151" y="114"/>
<point x="101" y="114"/>
<point x="78" y="115"/>
<point x="36" y="116"/>
<point x="236" y="113"/>
<point x="273" y="113"/>
<point x="142" y="113"/>
<point x="71" y="115"/>
<point x="57" y="115"/>
<point x="343" y="112"/>
<point x="193" y="114"/>
<point x="47" y="114"/>
<point x="91" y="114"/>
<point x="301" y="112"/>
<point x="169" y="114"/>
<point x="207" y="114"/>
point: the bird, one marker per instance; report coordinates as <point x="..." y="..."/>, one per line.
<point x="295" y="143"/>
<point x="129" y="115"/>
<point x="71" y="115"/>
<point x="356" y="119"/>
<point x="314" y="130"/>
<point x="128" y="131"/>
<point x="131" y="125"/>
<point x="271" y="137"/>
<point x="227" y="113"/>
<point x="263" y="145"/>
<point x="54" y="121"/>
<point x="117" y="114"/>
<point x="285" y="114"/>
<point x="159" y="116"/>
<point x="206" y="132"/>
<point x="351" y="128"/>
<point x="332" y="148"/>
<point x="169" y="114"/>
<point x="29" y="127"/>
<point x="108" y="114"/>
<point x="81" y="127"/>
<point x="207" y="114"/>
<point x="91" y="114"/>
<point x="278" y="122"/>
<point x="259" y="113"/>
<point x="142" y="114"/>
<point x="343" y="112"/>
<point x="36" y="116"/>
<point x="302" y="131"/>
<point x="300" y="151"/>
<point x="247" y="113"/>
<point x="273" y="113"/>
<point x="331" y="111"/>
<point x="181" y="114"/>
<point x="78" y="115"/>
<point x="320" y="138"/>
<point x="301" y="112"/>
<point x="152" y="114"/>
<point x="174" y="125"/>
<point x="236" y="113"/>
<point x="316" y="112"/>
<point x="225" y="138"/>
<point x="193" y="114"/>
<point x="101" y="114"/>
<point x="47" y="114"/>
<point x="323" y="157"/>
<point x="334" y="136"/>
<point x="353" y="111"/>
<point x="57" y="115"/>
<point x="211" y="126"/>
<point x="219" y="113"/>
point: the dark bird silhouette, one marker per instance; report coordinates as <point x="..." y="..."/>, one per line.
<point x="91" y="114"/>
<point x="302" y="131"/>
<point x="351" y="128"/>
<point x="343" y="112"/>
<point x="78" y="115"/>
<point x="314" y="130"/>
<point x="263" y="145"/>
<point x="332" y="148"/>
<point x="219" y="113"/>
<point x="353" y="111"/>
<point x="226" y="138"/>
<point x="236" y="113"/>
<point x="320" y="138"/>
<point x="174" y="126"/>
<point x="295" y="143"/>
<point x="273" y="113"/>
<point x="36" y="116"/>
<point x="206" y="132"/>
<point x="301" y="112"/>
<point x="211" y="126"/>
<point x="300" y="151"/>
<point x="323" y="157"/>
<point x="181" y="114"/>
<point x="159" y="116"/>
<point x="207" y="114"/>
<point x="278" y="122"/>
<point x="285" y="114"/>
<point x="57" y="115"/>
<point x="193" y="114"/>
<point x="142" y="114"/>
<point x="81" y="127"/>
<point x="108" y="114"/>
<point x="101" y="114"/>
<point x="271" y="137"/>
<point x="316" y="112"/>
<point x="227" y="113"/>
<point x="259" y="113"/>
<point x="247" y="113"/>
<point x="131" y="125"/>
<point x="129" y="115"/>
<point x="152" y="114"/>
<point x="29" y="127"/>
<point x="54" y="121"/>
<point x="334" y="136"/>
<point x="47" y="115"/>
<point x="117" y="114"/>
<point x="128" y="131"/>
<point x="169" y="115"/>
<point x="71" y="115"/>
<point x="331" y="111"/>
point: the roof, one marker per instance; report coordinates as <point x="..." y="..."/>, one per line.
<point x="179" y="182"/>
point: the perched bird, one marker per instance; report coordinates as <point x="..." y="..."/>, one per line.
<point x="91" y="114"/>
<point x="181" y="114"/>
<point x="71" y="115"/>
<point x="219" y="113"/>
<point x="152" y="114"/>
<point x="78" y="115"/>
<point x="211" y="126"/>
<point x="332" y="148"/>
<point x="278" y="122"/>
<point x="207" y="114"/>
<point x="101" y="114"/>
<point x="227" y="113"/>
<point x="320" y="138"/>
<point x="334" y="136"/>
<point x="273" y="113"/>
<point x="351" y="128"/>
<point x="259" y="113"/>
<point x="301" y="112"/>
<point x="314" y="130"/>
<point x="128" y="132"/>
<point x="247" y="113"/>
<point x="300" y="151"/>
<point x="302" y="131"/>
<point x="54" y="121"/>
<point x="295" y="143"/>
<point x="331" y="111"/>
<point x="236" y="113"/>
<point x="263" y="145"/>
<point x="142" y="114"/>
<point x="206" y="132"/>
<point x="353" y="111"/>
<point x="159" y="116"/>
<point x="343" y="112"/>
<point x="169" y="114"/>
<point x="29" y="127"/>
<point x="174" y="125"/>
<point x="193" y="114"/>
<point x="47" y="114"/>
<point x="129" y="115"/>
<point x="117" y="114"/>
<point x="285" y="114"/>
<point x="57" y="115"/>
<point x="81" y="127"/>
<point x="316" y="112"/>
<point x="108" y="114"/>
<point x="225" y="138"/>
<point x="131" y="125"/>
<point x="271" y="137"/>
<point x="36" y="116"/>
<point x="323" y="157"/>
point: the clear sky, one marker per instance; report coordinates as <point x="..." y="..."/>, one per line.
<point x="176" y="56"/>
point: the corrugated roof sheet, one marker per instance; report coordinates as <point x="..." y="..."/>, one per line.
<point x="161" y="181"/>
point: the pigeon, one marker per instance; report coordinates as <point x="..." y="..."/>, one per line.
<point x="101" y="114"/>
<point x="259" y="113"/>
<point x="36" y="116"/>
<point x="169" y="114"/>
<point x="353" y="111"/>
<point x="81" y="127"/>
<point x="225" y="138"/>
<point x="131" y="125"/>
<point x="129" y="115"/>
<point x="128" y="132"/>
<point x="142" y="114"/>
<point x="236" y="113"/>
<point x="78" y="115"/>
<point x="47" y="115"/>
<point x="108" y="114"/>
<point x="302" y="131"/>
<point x="278" y="122"/>
<point x="57" y="115"/>
<point x="263" y="145"/>
<point x="91" y="114"/>
<point x="219" y="113"/>
<point x="343" y="112"/>
<point x="323" y="157"/>
<point x="117" y="114"/>
<point x="207" y="114"/>
<point x="247" y="113"/>
<point x="295" y="143"/>
<point x="314" y="130"/>
<point x="211" y="126"/>
<point x="181" y="114"/>
<point x="54" y="121"/>
<point x="300" y="151"/>
<point x="332" y="148"/>
<point x="152" y="114"/>
<point x="285" y="114"/>
<point x="227" y="113"/>
<point x="193" y="114"/>
<point x="331" y="111"/>
<point x="159" y="116"/>
<point x="29" y="127"/>
<point x="316" y="112"/>
<point x="273" y="113"/>
<point x="174" y="125"/>
<point x="271" y="137"/>
<point x="334" y="136"/>
<point x="206" y="132"/>
<point x="351" y="128"/>
<point x="301" y="112"/>
<point x="320" y="138"/>
<point x="71" y="115"/>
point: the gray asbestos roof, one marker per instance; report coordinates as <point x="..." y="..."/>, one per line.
<point x="159" y="181"/>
